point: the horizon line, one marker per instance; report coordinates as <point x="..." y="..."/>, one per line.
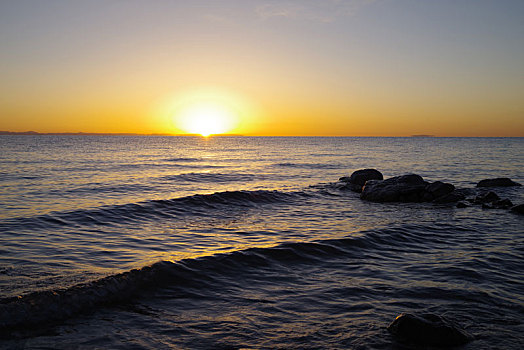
<point x="82" y="133"/>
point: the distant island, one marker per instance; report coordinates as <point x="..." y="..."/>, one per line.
<point x="101" y="133"/>
<point x="422" y="135"/>
<point x="70" y="133"/>
<point x="18" y="133"/>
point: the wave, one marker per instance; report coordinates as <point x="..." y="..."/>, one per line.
<point x="311" y="165"/>
<point x="210" y="177"/>
<point x="195" y="277"/>
<point x="97" y="188"/>
<point x="48" y="307"/>
<point x="189" y="163"/>
<point x="197" y="204"/>
<point x="4" y="177"/>
<point x="182" y="159"/>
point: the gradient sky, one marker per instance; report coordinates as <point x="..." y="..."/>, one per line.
<point x="331" y="67"/>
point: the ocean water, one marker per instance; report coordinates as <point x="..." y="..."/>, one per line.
<point x="149" y="242"/>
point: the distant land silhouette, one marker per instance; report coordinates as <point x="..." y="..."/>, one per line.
<point x="102" y="133"/>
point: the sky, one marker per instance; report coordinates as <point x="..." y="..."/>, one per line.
<point x="297" y="67"/>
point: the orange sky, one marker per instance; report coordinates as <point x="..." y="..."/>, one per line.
<point x="355" y="68"/>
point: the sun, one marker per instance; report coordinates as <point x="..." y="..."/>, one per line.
<point x="206" y="111"/>
<point x="206" y="118"/>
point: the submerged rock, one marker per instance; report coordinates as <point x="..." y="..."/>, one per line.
<point x="490" y="200"/>
<point x="462" y="205"/>
<point x="452" y="197"/>
<point x="519" y="209"/>
<point x="428" y="329"/>
<point x="503" y="204"/>
<point x="357" y="180"/>
<point x="487" y="197"/>
<point x="498" y="182"/>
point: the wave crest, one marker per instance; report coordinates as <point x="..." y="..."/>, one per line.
<point x="150" y="210"/>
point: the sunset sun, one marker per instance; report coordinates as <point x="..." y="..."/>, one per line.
<point x="207" y="111"/>
<point x="206" y="118"/>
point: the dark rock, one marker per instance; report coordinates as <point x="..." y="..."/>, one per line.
<point x="427" y="197"/>
<point x="410" y="179"/>
<point x="356" y="181"/>
<point x="360" y="177"/>
<point x="503" y="204"/>
<point x="519" y="209"/>
<point x="410" y="196"/>
<point x="450" y="198"/>
<point x="378" y="191"/>
<point x="498" y="182"/>
<point x="410" y="188"/>
<point x="406" y="188"/>
<point x="462" y="205"/>
<point x="342" y="185"/>
<point x="498" y="204"/>
<point x="354" y="187"/>
<point x="438" y="189"/>
<point x="487" y="197"/>
<point x="428" y="329"/>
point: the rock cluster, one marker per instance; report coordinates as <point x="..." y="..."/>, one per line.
<point x="428" y="329"/>
<point x="491" y="200"/>
<point x="371" y="185"/>
<point x="409" y="188"/>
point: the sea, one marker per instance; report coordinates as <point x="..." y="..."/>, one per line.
<point x="232" y="242"/>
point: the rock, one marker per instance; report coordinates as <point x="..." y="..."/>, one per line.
<point x="406" y="188"/>
<point x="410" y="188"/>
<point x="496" y="204"/>
<point x="357" y="180"/>
<point x="354" y="187"/>
<point x="438" y="189"/>
<point x="450" y="198"/>
<point x="519" y="209"/>
<point x="503" y="204"/>
<point x="487" y="197"/>
<point x="428" y="329"/>
<point x="360" y="177"/>
<point x="498" y="182"/>
<point x="462" y="205"/>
